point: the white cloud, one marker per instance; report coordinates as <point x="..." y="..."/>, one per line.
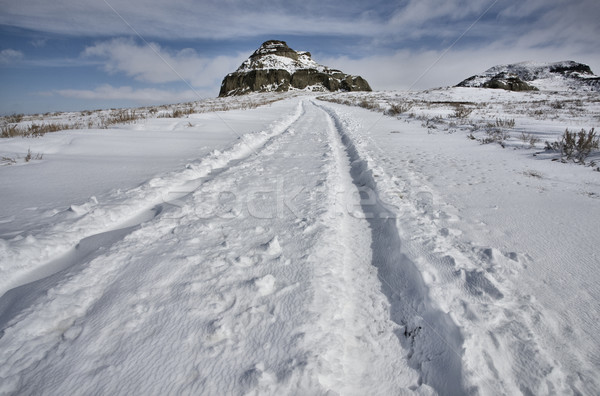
<point x="157" y="65"/>
<point x="186" y="18"/>
<point x="405" y="69"/>
<point x="139" y="96"/>
<point x="423" y="24"/>
<point x="373" y="26"/>
<point x="417" y="12"/>
<point x="10" y="56"/>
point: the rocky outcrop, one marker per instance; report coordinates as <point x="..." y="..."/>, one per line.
<point x="275" y="67"/>
<point x="507" y="81"/>
<point x="526" y="76"/>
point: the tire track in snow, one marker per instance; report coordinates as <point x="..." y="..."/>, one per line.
<point x="66" y="243"/>
<point x="512" y="344"/>
<point x="190" y="304"/>
<point x="203" y="287"/>
<point x="434" y="340"/>
<point x="358" y="350"/>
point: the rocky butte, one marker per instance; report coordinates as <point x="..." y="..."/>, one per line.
<point x="275" y="67"/>
<point x="525" y="76"/>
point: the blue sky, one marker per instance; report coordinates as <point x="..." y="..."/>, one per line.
<point x="89" y="54"/>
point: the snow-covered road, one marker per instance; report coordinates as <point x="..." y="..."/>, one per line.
<point x="313" y="256"/>
<point x="256" y="275"/>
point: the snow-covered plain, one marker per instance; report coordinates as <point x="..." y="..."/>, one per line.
<point x="306" y="247"/>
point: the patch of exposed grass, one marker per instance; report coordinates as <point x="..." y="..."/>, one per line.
<point x="576" y="146"/>
<point x="461" y="112"/>
<point x="34" y="130"/>
<point x="7" y="160"/>
<point x="398" y="108"/>
<point x="31" y="156"/>
<point x="529" y="138"/>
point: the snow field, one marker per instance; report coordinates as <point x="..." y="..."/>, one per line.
<point x="474" y="232"/>
<point x="123" y="275"/>
<point x="336" y="251"/>
<point x="22" y="255"/>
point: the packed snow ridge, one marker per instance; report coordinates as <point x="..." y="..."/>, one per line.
<point x="277" y="67"/>
<point x="524" y="76"/>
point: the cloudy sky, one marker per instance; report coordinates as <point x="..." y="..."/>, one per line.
<point x="88" y="54"/>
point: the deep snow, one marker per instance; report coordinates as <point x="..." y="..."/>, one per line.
<point x="314" y="248"/>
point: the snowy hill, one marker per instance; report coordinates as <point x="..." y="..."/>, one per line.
<point x="277" y="67"/>
<point x="277" y="55"/>
<point x="557" y="76"/>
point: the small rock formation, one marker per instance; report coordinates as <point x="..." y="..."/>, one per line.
<point x="503" y="80"/>
<point x="275" y="67"/>
<point x="567" y="75"/>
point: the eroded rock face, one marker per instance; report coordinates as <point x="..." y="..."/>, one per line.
<point x="509" y="84"/>
<point x="266" y="80"/>
<point x="275" y="67"/>
<point x="507" y="81"/>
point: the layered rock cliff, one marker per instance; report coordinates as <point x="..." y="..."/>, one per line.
<point x="275" y="67"/>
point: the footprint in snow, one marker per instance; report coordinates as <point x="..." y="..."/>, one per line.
<point x="217" y="332"/>
<point x="500" y="263"/>
<point x="478" y="284"/>
<point x="244" y="261"/>
<point x="272" y="248"/>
